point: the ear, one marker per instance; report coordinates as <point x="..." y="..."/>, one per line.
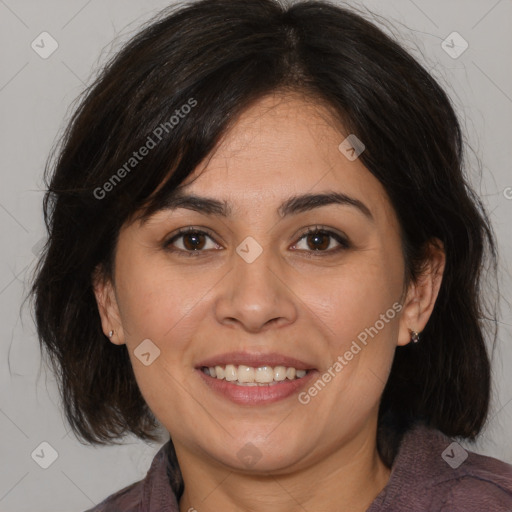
<point x="422" y="294"/>
<point x="107" y="306"/>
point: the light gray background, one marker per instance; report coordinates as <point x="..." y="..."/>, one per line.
<point x="36" y="98"/>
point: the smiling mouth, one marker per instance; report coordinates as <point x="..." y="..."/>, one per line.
<point x="243" y="375"/>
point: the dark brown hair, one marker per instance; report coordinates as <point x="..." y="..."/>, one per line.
<point x="224" y="55"/>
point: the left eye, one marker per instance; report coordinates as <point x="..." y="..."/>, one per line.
<point x="321" y="240"/>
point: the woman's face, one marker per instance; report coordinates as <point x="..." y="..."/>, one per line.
<point x="255" y="283"/>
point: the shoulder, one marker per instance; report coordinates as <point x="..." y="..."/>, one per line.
<point x="471" y="493"/>
<point x="433" y="472"/>
<point x="127" y="499"/>
<point x="479" y="483"/>
<point x="152" y="494"/>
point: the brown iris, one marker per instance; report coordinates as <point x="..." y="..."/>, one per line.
<point x="197" y="241"/>
<point x="320" y="241"/>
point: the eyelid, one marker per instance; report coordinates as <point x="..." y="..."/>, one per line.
<point x="190" y="229"/>
<point x="341" y="238"/>
<point x="184" y="231"/>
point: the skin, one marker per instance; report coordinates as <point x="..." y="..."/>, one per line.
<point x="305" y="303"/>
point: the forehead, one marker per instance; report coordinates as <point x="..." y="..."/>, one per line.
<point x="283" y="145"/>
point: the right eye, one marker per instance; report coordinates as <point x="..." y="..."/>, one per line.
<point x="190" y="241"/>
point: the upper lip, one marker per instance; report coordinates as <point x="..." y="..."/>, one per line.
<point x="255" y="360"/>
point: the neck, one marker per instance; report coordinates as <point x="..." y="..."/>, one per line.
<point x="347" y="479"/>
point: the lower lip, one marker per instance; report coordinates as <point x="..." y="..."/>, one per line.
<point x="255" y="395"/>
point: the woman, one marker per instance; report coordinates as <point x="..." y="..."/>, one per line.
<point x="261" y="237"/>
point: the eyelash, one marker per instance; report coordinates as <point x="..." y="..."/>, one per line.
<point x="344" y="243"/>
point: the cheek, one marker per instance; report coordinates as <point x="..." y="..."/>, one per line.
<point x="166" y="309"/>
<point x="358" y="307"/>
<point x="156" y="301"/>
<point x="354" y="297"/>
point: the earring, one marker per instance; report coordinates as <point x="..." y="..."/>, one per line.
<point x="415" y="336"/>
<point x="110" y="334"/>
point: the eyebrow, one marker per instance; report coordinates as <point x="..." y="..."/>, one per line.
<point x="293" y="205"/>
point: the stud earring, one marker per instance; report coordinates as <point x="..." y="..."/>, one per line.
<point x="110" y="334"/>
<point x="415" y="336"/>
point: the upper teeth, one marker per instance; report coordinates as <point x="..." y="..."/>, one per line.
<point x="252" y="376"/>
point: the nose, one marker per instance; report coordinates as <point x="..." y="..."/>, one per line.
<point x="254" y="295"/>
